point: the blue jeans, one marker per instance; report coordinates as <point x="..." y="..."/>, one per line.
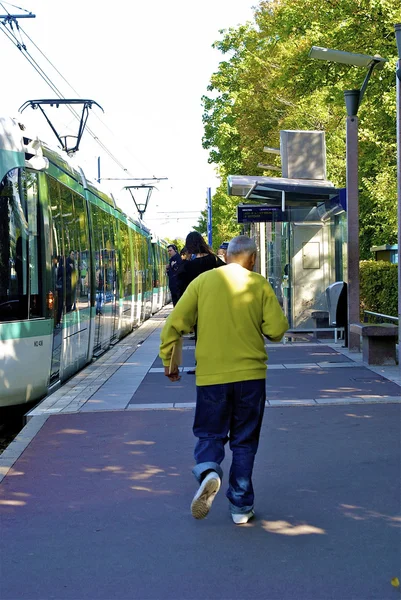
<point x="234" y="412"/>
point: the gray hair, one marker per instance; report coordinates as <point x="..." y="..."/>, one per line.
<point x="241" y="244"/>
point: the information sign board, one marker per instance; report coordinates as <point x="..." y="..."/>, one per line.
<point x="257" y="213"/>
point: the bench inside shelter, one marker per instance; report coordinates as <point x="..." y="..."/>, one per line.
<point x="331" y="321"/>
<point x="378" y="342"/>
<point x="322" y="324"/>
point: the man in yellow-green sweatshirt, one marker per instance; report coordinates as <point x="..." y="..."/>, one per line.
<point x="233" y="309"/>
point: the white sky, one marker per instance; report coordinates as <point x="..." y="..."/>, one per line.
<point x="147" y="63"/>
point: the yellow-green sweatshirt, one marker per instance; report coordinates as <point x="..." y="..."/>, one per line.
<point x="233" y="308"/>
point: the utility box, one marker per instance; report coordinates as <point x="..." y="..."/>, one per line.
<point x="303" y="154"/>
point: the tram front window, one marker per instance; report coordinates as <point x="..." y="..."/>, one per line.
<point x="20" y="282"/>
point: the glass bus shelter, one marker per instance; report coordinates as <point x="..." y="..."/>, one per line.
<point x="300" y="230"/>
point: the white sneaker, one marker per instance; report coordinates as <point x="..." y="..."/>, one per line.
<point x="242" y="518"/>
<point x="204" y="497"/>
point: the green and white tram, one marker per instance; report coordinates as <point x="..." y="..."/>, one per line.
<point x="76" y="274"/>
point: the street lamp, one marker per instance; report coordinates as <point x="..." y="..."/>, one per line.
<point x="397" y="29"/>
<point x="353" y="99"/>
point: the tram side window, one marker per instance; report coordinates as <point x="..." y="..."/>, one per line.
<point x="150" y="263"/>
<point x="113" y="260"/>
<point x="126" y="260"/>
<point x="36" y="307"/>
<point x="160" y="266"/>
<point x="20" y="260"/>
<point x="108" y="254"/>
<point x="145" y="260"/>
<point x="135" y="247"/>
<point x="141" y="265"/>
<point x="155" y="264"/>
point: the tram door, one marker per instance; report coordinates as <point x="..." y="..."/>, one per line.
<point x="71" y="288"/>
<point x="137" y="286"/>
<point x="105" y="278"/>
<point x="58" y="275"/>
<point x="126" y="300"/>
<point x="115" y="284"/>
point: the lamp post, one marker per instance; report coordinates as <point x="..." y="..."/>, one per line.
<point x="397" y="29"/>
<point x="353" y="99"/>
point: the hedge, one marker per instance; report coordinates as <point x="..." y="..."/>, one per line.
<point x="379" y="287"/>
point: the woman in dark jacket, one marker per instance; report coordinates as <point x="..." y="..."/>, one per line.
<point x="203" y="260"/>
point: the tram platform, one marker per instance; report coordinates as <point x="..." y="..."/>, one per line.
<point x="97" y="487"/>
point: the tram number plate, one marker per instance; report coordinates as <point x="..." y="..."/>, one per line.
<point x="38" y="343"/>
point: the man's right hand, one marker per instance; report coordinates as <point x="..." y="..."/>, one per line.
<point x="173" y="376"/>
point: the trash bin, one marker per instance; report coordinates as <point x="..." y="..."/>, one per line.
<point x="336" y="296"/>
<point x="334" y="292"/>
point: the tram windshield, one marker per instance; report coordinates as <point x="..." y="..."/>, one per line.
<point x="20" y="281"/>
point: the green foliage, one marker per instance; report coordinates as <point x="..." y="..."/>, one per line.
<point x="267" y="82"/>
<point x="201" y="227"/>
<point x="379" y="287"/>
<point x="224" y="217"/>
<point x="179" y="242"/>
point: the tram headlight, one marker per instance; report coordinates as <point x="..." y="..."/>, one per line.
<point x="50" y="300"/>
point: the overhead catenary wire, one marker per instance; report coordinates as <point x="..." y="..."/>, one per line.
<point x="22" y="47"/>
<point x="92" y="133"/>
<point x="37" y="68"/>
<point x="14" y="6"/>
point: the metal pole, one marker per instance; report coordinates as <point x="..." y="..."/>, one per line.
<point x="398" y="95"/>
<point x="98" y="169"/>
<point x="353" y="229"/>
<point x="209" y="216"/>
<point x="15" y="17"/>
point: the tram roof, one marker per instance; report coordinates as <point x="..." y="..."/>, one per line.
<point x="264" y="189"/>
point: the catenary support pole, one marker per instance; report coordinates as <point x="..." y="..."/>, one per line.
<point x="209" y="217"/>
<point x="398" y="92"/>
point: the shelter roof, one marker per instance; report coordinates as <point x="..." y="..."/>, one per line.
<point x="265" y="189"/>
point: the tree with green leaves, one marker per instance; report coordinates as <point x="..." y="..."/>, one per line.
<point x="179" y="242"/>
<point x="268" y="83"/>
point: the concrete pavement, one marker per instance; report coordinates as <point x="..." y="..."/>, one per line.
<point x="95" y="496"/>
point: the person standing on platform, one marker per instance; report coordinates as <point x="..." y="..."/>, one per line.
<point x="184" y="254"/>
<point x="175" y="262"/>
<point x="222" y="251"/>
<point x="202" y="259"/>
<point x="230" y="373"/>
